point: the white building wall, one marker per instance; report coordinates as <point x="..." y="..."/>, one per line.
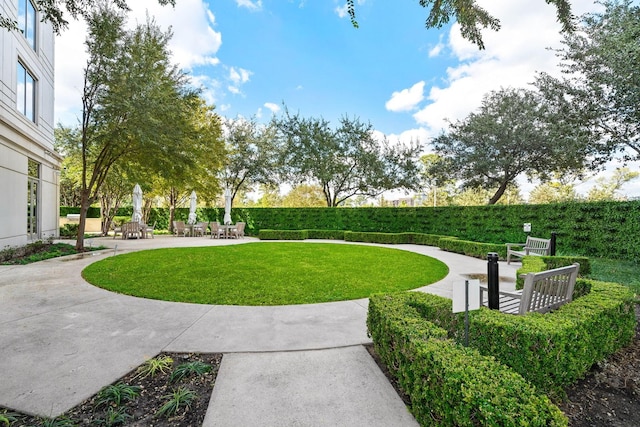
<point x="22" y="139"/>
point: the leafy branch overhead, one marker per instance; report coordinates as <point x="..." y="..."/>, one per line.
<point x="471" y="17"/>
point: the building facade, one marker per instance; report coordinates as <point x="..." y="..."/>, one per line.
<point x="29" y="165"/>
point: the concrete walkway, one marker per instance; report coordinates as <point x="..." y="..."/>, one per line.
<point x="62" y="340"/>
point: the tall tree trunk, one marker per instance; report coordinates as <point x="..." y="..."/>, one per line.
<point x="499" y="193"/>
<point x="84" y="208"/>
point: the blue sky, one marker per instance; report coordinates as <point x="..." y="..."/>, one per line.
<point x="251" y="56"/>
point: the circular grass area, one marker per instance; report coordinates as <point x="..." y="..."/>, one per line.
<point x="265" y="273"/>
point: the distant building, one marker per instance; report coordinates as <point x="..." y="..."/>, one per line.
<point x="29" y="167"/>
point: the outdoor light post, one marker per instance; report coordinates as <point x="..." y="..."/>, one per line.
<point x="492" y="281"/>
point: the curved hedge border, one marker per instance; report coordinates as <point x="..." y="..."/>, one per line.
<point x="447" y="383"/>
<point x="550" y="350"/>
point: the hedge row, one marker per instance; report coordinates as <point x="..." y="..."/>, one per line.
<point x="301" y="234"/>
<point x="93" y="212"/>
<point x="555" y="349"/>
<point x="447" y="383"/>
<point x="602" y="229"/>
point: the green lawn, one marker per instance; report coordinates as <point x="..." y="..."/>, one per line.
<point x="273" y="273"/>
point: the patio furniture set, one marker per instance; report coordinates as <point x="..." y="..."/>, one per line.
<point x="217" y="230"/>
<point x="133" y="230"/>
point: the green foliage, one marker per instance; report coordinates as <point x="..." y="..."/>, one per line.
<point x="535" y="264"/>
<point x="113" y="417"/>
<point x="37" y="251"/>
<point x="265" y="273"/>
<point x="189" y="369"/>
<point x="116" y="394"/>
<point x="602" y="229"/>
<point x="344" y="162"/>
<point x="7" y="417"/>
<point x="447" y="383"/>
<point x="155" y="366"/>
<point x="61" y="421"/>
<point x="179" y="398"/>
<point x="283" y="235"/>
<point x="92" y="212"/>
<point x="389" y="238"/>
<point x="557" y="348"/>
<point x="69" y="230"/>
<point x="474" y="249"/>
<point x="617" y="271"/>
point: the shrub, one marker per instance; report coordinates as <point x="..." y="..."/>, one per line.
<point x="474" y="249"/>
<point x="283" y="234"/>
<point x="447" y="383"/>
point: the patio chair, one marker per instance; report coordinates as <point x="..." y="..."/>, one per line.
<point x="147" y="229"/>
<point x="180" y="229"/>
<point x="200" y="228"/>
<point x="130" y="230"/>
<point x="238" y="230"/>
<point x="116" y="229"/>
<point x="216" y="231"/>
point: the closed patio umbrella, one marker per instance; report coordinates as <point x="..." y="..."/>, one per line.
<point x="227" y="206"/>
<point x="137" y="204"/>
<point x="192" y="208"/>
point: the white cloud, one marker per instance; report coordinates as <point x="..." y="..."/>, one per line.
<point x="341" y="10"/>
<point x="275" y="108"/>
<point x="512" y="57"/>
<point x="239" y="75"/>
<point x="406" y="99"/>
<point x="251" y="5"/>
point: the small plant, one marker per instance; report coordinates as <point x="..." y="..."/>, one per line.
<point x="154" y="366"/>
<point x="6" y="417"/>
<point x="181" y="397"/>
<point x="188" y="369"/>
<point x="113" y="417"/>
<point x="61" y="421"/>
<point x="116" y="394"/>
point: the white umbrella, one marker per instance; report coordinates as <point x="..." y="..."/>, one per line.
<point x="192" y="208"/>
<point x="137" y="204"/>
<point x="227" y="206"/>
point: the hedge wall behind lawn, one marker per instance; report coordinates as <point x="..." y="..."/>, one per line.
<point x="603" y="229"/>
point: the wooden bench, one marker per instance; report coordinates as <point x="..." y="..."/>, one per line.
<point x="542" y="292"/>
<point x="533" y="246"/>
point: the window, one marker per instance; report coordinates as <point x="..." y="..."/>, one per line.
<point x="27" y="21"/>
<point x="26" y="93"/>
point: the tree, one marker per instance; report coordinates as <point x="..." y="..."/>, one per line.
<point x="608" y="188"/>
<point x="471" y="17"/>
<point x="511" y="134"/>
<point x="135" y="104"/>
<point x="438" y="189"/>
<point x="53" y="11"/>
<point x="553" y="192"/>
<point x="479" y="197"/>
<point x="304" y="196"/>
<point x="345" y="162"/>
<point x="600" y="92"/>
<point x="250" y="157"/>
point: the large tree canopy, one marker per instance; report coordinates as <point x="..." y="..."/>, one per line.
<point x="135" y="106"/>
<point x="511" y="134"/>
<point x="601" y="88"/>
<point x="53" y="11"/>
<point x="345" y="162"/>
<point x="471" y="17"/>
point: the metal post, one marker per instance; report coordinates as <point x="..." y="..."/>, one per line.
<point x="552" y="245"/>
<point x="466" y="313"/>
<point x="492" y="281"/>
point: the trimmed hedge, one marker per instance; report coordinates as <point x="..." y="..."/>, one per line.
<point x="93" y="212"/>
<point x="447" y="383"/>
<point x="283" y="235"/>
<point x="474" y="249"/>
<point x="602" y="229"/>
<point x="555" y="349"/>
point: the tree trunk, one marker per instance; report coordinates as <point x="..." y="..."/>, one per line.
<point x="499" y="193"/>
<point x="84" y="208"/>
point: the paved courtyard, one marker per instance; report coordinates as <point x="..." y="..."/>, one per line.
<point x="62" y="339"/>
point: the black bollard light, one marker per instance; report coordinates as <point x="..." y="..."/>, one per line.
<point x="552" y="244"/>
<point x="492" y="281"/>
